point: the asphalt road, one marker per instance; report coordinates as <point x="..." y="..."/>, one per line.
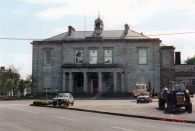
<point x="131" y="107"/>
<point x="19" y="116"/>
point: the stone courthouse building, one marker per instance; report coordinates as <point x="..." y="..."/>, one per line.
<point x="97" y="61"/>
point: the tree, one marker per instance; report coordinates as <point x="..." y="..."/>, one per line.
<point x="15" y="76"/>
<point x="30" y="82"/>
<point x="190" y="60"/>
<point x="9" y="85"/>
<point x="22" y="86"/>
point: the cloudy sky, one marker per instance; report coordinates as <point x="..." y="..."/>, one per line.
<point x="40" y="19"/>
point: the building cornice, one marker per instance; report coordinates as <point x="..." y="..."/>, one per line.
<point x="95" y="41"/>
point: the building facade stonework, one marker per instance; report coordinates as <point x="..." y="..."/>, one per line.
<point x="96" y="61"/>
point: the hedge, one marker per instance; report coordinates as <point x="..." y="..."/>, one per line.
<point x="42" y="102"/>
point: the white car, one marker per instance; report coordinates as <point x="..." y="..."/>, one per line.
<point x="63" y="98"/>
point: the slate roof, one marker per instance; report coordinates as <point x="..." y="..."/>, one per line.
<point x="113" y="34"/>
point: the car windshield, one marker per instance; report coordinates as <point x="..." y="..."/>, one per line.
<point x="62" y="95"/>
<point x="178" y="86"/>
<point x="140" y="87"/>
<point x="144" y="94"/>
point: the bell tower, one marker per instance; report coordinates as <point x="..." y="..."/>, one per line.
<point x="98" y="25"/>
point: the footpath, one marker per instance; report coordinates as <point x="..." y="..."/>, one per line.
<point x="130" y="108"/>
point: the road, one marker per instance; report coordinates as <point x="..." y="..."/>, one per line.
<point x="19" y="116"/>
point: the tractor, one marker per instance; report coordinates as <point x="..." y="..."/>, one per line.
<point x="175" y="96"/>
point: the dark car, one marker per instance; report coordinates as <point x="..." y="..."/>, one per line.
<point x="144" y="97"/>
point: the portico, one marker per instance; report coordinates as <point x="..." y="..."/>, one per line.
<point x="92" y="78"/>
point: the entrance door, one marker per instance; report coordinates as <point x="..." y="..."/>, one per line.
<point x="95" y="86"/>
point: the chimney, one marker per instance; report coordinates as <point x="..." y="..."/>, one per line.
<point x="126" y="28"/>
<point x="2" y="68"/>
<point x="177" y="57"/>
<point x="70" y="30"/>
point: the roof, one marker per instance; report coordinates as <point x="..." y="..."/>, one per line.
<point x="114" y="34"/>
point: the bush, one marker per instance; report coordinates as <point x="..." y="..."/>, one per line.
<point x="42" y="102"/>
<point x="21" y="97"/>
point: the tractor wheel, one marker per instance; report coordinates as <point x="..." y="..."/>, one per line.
<point x="163" y="104"/>
<point x="189" y="107"/>
<point x="170" y="108"/>
<point x="159" y="103"/>
<point x="54" y="104"/>
<point x="188" y="97"/>
<point x="186" y="108"/>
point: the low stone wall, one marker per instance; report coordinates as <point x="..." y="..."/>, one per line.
<point x="2" y="98"/>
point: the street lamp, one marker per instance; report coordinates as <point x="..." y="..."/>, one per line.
<point x="57" y="94"/>
<point x="46" y="91"/>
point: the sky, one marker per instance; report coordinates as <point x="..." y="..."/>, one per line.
<point x="40" y="19"/>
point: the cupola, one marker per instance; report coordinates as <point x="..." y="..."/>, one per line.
<point x="98" y="25"/>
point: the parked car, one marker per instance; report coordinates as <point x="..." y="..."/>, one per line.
<point x="144" y="97"/>
<point x="63" y="98"/>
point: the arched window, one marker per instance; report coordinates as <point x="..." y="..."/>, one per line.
<point x="166" y="60"/>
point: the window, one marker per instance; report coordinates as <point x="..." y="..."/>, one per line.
<point x="78" y="56"/>
<point x="93" y="57"/>
<point x="186" y="68"/>
<point x="177" y="69"/>
<point x="187" y="82"/>
<point x="108" y="56"/>
<point x="48" y="57"/>
<point x="166" y="60"/>
<point x="142" y="56"/>
<point x="191" y="68"/>
<point x="193" y="82"/>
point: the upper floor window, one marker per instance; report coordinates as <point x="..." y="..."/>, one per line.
<point x="177" y="69"/>
<point x="142" y="56"/>
<point x="48" y="57"/>
<point x="166" y="60"/>
<point x="93" y="57"/>
<point x="108" y="56"/>
<point x="78" y="56"/>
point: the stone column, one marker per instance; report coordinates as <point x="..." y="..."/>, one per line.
<point x="85" y="82"/>
<point x="70" y="82"/>
<point x="122" y="83"/>
<point x="115" y="86"/>
<point x="63" y="82"/>
<point x="99" y="81"/>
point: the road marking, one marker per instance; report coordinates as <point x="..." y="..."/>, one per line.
<point x="21" y="110"/>
<point x="123" y="128"/>
<point x="64" y="118"/>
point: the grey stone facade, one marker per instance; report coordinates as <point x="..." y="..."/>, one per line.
<point x="119" y="75"/>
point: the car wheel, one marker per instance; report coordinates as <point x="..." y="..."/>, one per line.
<point x="72" y="103"/>
<point x="137" y="101"/>
<point x="59" y="104"/>
<point x="67" y="104"/>
<point x="148" y="101"/>
<point x="54" y="104"/>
